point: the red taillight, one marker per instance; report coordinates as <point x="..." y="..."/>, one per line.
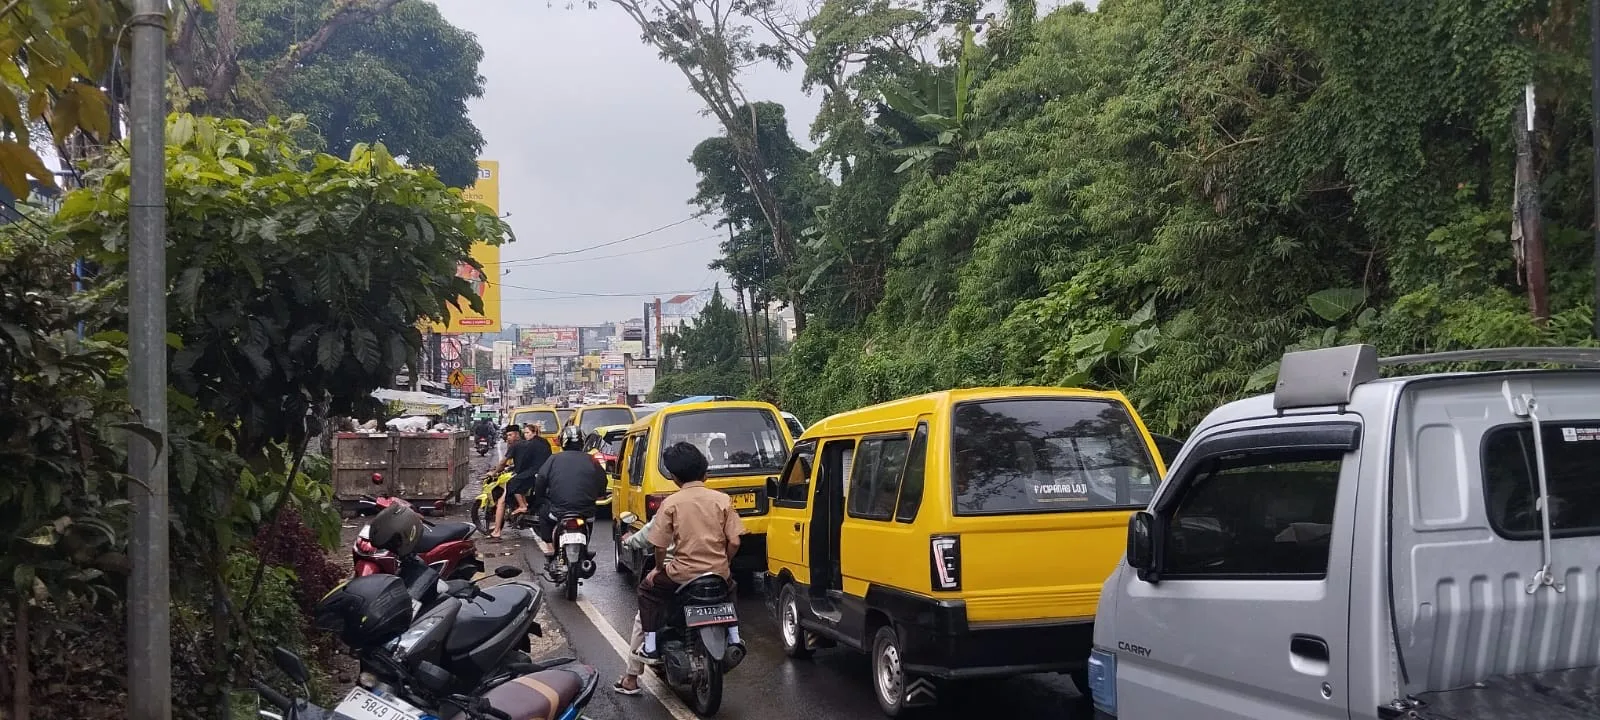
<point x="377" y="478"/>
<point x="652" y="503"/>
<point x="573" y="524"/>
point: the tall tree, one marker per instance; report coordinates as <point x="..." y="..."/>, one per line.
<point x="362" y="71"/>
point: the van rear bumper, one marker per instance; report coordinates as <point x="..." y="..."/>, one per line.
<point x="937" y="640"/>
<point x="999" y="649"/>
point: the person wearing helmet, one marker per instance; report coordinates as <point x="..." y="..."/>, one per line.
<point x="569" y="482"/>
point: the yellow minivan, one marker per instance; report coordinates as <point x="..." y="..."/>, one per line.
<point x="545" y="417"/>
<point x="745" y="443"/>
<point x="589" y="417"/>
<point x="958" y="534"/>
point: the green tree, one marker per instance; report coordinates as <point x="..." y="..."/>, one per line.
<point x="705" y="357"/>
<point x="362" y="71"/>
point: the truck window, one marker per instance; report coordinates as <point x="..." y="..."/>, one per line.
<point x="875" y="483"/>
<point x="1511" y="479"/>
<point x="1255" y="515"/>
<point x="1048" y="455"/>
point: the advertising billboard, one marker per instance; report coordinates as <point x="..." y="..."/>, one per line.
<point x="631" y="347"/>
<point x="463" y="320"/>
<point x="502" y="354"/>
<point x="547" y="342"/>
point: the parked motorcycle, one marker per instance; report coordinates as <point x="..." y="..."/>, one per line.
<point x="574" y="562"/>
<point x="447" y="547"/>
<point x="696" y="642"/>
<point x="402" y="678"/>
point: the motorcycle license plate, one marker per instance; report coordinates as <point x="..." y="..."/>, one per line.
<point x="363" y="705"/>
<point x="570" y="538"/>
<point x="719" y="614"/>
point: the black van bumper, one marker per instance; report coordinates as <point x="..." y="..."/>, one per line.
<point x="937" y="640"/>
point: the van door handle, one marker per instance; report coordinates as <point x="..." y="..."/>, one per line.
<point x="797" y="526"/>
<point x="1309" y="647"/>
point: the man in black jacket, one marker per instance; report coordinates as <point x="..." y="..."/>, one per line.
<point x="569" y="482"/>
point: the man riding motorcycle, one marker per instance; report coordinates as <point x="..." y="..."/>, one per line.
<point x="568" y="483"/>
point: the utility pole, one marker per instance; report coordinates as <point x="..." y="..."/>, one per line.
<point x="1529" y="213"/>
<point x="1594" y="139"/>
<point x="149" y="592"/>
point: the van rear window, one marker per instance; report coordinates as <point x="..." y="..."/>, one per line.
<point x="1511" y="479"/>
<point x="1041" y="455"/>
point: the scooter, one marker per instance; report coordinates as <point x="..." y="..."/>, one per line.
<point x="484" y="446"/>
<point x="696" y="642"/>
<point x="446" y="547"/>
<point x="574" y="562"/>
<point x="482" y="510"/>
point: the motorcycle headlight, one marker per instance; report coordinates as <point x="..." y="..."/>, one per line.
<point x="414" y="635"/>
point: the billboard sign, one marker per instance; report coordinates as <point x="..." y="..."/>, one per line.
<point x="502" y="354"/>
<point x="630" y="347"/>
<point x="521" y="367"/>
<point x="547" y="342"/>
<point x="462" y="319"/>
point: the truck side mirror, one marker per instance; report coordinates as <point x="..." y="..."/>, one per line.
<point x="1141" y="543"/>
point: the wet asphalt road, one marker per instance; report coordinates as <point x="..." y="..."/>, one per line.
<point x="835" y="683"/>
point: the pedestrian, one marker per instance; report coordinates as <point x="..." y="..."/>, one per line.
<point x="702" y="526"/>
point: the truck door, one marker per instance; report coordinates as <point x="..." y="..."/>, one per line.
<point x="1246" y="613"/>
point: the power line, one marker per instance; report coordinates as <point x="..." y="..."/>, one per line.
<point x="532" y="263"/>
<point x="575" y="293"/>
<point x="608" y="244"/>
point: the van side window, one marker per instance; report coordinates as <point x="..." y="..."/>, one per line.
<point x="1255" y="515"/>
<point x="875" y="482"/>
<point x="1511" y="479"/>
<point x="795" y="487"/>
<point x="636" y="453"/>
<point x="911" y="483"/>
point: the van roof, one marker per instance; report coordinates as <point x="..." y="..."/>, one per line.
<point x="677" y="409"/>
<point x="864" y="419"/>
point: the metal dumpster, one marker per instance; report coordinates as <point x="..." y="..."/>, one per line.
<point x="426" y="469"/>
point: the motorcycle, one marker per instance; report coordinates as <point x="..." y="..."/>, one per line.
<point x="483" y="446"/>
<point x="482" y="510"/>
<point x="574" y="562"/>
<point x="696" y="642"/>
<point x="446" y="547"/>
<point x="402" y="678"/>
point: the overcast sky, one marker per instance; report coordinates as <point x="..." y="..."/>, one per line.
<point x="593" y="132"/>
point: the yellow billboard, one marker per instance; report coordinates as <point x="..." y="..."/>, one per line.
<point x="487" y="191"/>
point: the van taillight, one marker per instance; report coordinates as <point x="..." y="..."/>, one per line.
<point x="945" y="570"/>
<point x="652" y="503"/>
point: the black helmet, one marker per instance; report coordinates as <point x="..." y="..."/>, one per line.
<point x="395" y="528"/>
<point x="366" y="611"/>
<point x="571" y="438"/>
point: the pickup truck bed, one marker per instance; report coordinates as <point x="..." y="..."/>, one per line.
<point x="1554" y="695"/>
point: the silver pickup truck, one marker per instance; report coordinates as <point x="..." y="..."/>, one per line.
<point x="1356" y="547"/>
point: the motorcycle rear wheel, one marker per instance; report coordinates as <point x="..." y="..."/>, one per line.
<point x="707" y="693"/>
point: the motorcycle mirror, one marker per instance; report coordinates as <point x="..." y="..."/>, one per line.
<point x="507" y="571"/>
<point x="629" y="518"/>
<point x="432" y="676"/>
<point x="291" y="665"/>
<point x="377" y="478"/>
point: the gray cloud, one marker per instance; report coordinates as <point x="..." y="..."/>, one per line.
<point x="593" y="131"/>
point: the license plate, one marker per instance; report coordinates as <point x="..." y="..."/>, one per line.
<point x="570" y="538"/>
<point x="363" y="705"/>
<point x="719" y="614"/>
<point x="743" y="501"/>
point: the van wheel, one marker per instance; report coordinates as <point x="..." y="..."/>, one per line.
<point x="888" y="672"/>
<point x="789" y="630"/>
<point x="616" y="555"/>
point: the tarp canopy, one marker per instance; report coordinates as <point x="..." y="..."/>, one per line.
<point x="419" y="403"/>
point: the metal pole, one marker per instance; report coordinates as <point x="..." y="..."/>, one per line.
<point x="1594" y="139"/>
<point x="149" y="603"/>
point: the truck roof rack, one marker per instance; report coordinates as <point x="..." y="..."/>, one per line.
<point x="1330" y="376"/>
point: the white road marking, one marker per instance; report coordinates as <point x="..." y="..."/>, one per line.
<point x="651" y="683"/>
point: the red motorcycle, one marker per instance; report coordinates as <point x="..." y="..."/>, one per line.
<point x="446" y="547"/>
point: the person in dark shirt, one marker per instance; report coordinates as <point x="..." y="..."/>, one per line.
<point x="569" y="482"/>
<point x="526" y="458"/>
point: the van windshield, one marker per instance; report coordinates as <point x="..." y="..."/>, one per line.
<point x="1048" y="455"/>
<point x="601" y="417"/>
<point x="743" y="441"/>
<point x="545" y="419"/>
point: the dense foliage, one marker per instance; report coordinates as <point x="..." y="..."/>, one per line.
<point x="1163" y="196"/>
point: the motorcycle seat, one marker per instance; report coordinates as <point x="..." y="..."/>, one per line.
<point x="481" y="618"/>
<point x="543" y="694"/>
<point x="708" y="588"/>
<point x="442" y="533"/>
